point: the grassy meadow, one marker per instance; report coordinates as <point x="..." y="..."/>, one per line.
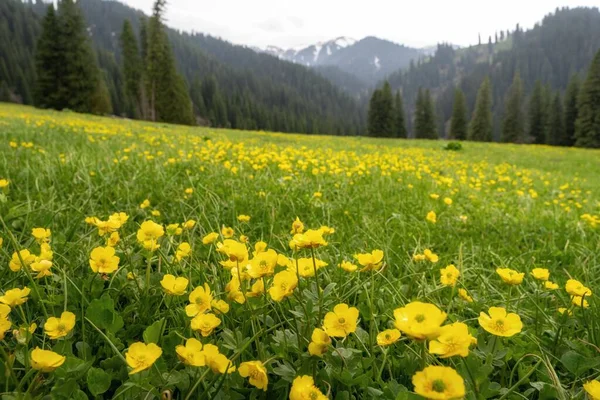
<point x="198" y="263"/>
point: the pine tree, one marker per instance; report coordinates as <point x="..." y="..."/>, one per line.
<point x="48" y="63"/>
<point x="537" y="114"/>
<point x="80" y="75"/>
<point x="400" y="123"/>
<point x="381" y="119"/>
<point x="458" y="125"/>
<point x="132" y="70"/>
<point x="556" y="126"/>
<point x="480" y="127"/>
<point x="587" y="129"/>
<point x="373" y="126"/>
<point x="513" y="125"/>
<point x="168" y="98"/>
<point x="571" y="110"/>
<point x="425" y="124"/>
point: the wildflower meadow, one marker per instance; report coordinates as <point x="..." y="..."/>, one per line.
<point x="151" y="261"/>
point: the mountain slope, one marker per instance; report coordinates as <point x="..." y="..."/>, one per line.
<point x="562" y="45"/>
<point x="260" y="91"/>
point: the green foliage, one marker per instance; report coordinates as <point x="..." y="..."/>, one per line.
<point x="133" y="69"/>
<point x="556" y="132"/>
<point x="480" y="127"/>
<point x="400" y="117"/>
<point x="537" y="115"/>
<point x="571" y="110"/>
<point x="587" y="131"/>
<point x="513" y="126"/>
<point x="425" y="116"/>
<point x="382" y="117"/>
<point x="459" y="122"/>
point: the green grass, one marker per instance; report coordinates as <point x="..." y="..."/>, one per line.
<point x="513" y="206"/>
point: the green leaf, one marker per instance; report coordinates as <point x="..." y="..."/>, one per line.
<point x="102" y="313"/>
<point x="153" y="333"/>
<point x="98" y="381"/>
<point x="578" y="364"/>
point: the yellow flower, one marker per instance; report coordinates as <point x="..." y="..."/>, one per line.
<point x="244" y="239"/>
<point x="46" y="360"/>
<point x="263" y="264"/>
<point x="510" y="276"/>
<point x="303" y="388"/>
<point x="145" y="204"/>
<point x="4" y="310"/>
<point x="258" y="288"/>
<point x="326" y="230"/>
<point x="306" y="266"/>
<point x="103" y="260"/>
<point x="15" y="262"/>
<point x="243" y="218"/>
<point x="463" y="294"/>
<point x="320" y="342"/>
<point x="348" y="266"/>
<point x="419" y="257"/>
<point x="563" y="310"/>
<point x="216" y="361"/>
<point x="439" y="383"/>
<point x="200" y="301"/>
<point x="388" y="337"/>
<point x="5" y="325"/>
<point x="113" y="239"/>
<point x="191" y="353"/>
<point x="210" y="238"/>
<point x="297" y="226"/>
<point x="189" y="224"/>
<point x="15" y="297"/>
<point x="311" y="239"/>
<point x="431" y="217"/>
<point x="60" y="327"/>
<point x="149" y="233"/>
<point x="141" y="356"/>
<point x="434" y="196"/>
<point x="4" y="183"/>
<point x="174" y="286"/>
<point x="576" y="288"/>
<point x="341" y="321"/>
<point x="220" y="306"/>
<point x="284" y="283"/>
<point x="550" y="285"/>
<point x="449" y="275"/>
<point x="580" y="301"/>
<point x="454" y="340"/>
<point x="236" y="252"/>
<point x="317" y="195"/>
<point x="370" y="261"/>
<point x="233" y="291"/>
<point x="419" y="320"/>
<point x="227" y="232"/>
<point x="42" y="235"/>
<point x="592" y="388"/>
<point x="130" y="276"/>
<point x="183" y="250"/>
<point x="499" y="323"/>
<point x="174" y="230"/>
<point x="256" y="372"/>
<point x="259" y="247"/>
<point x="205" y="323"/>
<point x="541" y="274"/>
<point x="448" y="201"/>
<point x="155" y="213"/>
<point x="189" y="191"/>
<point x="430" y="256"/>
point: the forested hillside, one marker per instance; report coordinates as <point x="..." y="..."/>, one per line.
<point x="231" y="85"/>
<point x="561" y="46"/>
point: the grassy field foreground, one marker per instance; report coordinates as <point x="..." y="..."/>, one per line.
<point x="144" y="261"/>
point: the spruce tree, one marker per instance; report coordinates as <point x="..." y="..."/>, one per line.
<point x="373" y="127"/>
<point x="458" y="125"/>
<point x="480" y="127"/>
<point x="571" y="110"/>
<point x="537" y="114"/>
<point x="587" y="128"/>
<point x="80" y="75"/>
<point x="425" y="123"/>
<point x="168" y="98"/>
<point x="513" y="125"/>
<point x="400" y="122"/>
<point x="556" y="127"/>
<point x="386" y="111"/>
<point x="132" y="70"/>
<point x="48" y="63"/>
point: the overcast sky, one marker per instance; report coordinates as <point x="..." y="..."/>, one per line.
<point x="287" y="23"/>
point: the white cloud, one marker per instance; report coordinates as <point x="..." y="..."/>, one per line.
<point x="287" y="23"/>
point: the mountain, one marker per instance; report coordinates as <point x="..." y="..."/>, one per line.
<point x="368" y="60"/>
<point x="562" y="45"/>
<point x="255" y="91"/>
